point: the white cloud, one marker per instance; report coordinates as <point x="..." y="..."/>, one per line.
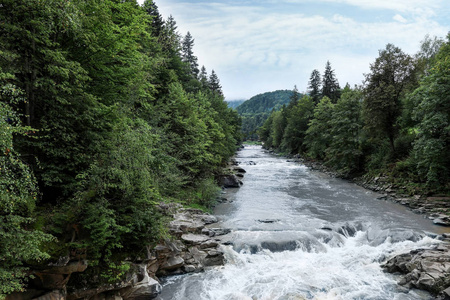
<point x="399" y="18"/>
<point x="254" y="49"/>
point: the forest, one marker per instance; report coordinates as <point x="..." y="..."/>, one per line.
<point x="395" y="125"/>
<point x="104" y="114"/>
<point x="255" y="111"/>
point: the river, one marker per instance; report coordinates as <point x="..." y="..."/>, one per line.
<point x="301" y="234"/>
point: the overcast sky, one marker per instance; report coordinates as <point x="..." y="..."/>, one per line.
<point x="260" y="46"/>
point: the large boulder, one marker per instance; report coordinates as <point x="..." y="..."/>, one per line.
<point x="229" y="181"/>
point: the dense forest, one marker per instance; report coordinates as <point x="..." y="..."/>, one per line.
<point x="397" y="124"/>
<point x="255" y="111"/>
<point x="235" y="103"/>
<point x="104" y="114"/>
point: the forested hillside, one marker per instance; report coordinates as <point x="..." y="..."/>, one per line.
<point x="235" y="103"/>
<point x="396" y="125"/>
<point x="258" y="108"/>
<point x="104" y="114"/>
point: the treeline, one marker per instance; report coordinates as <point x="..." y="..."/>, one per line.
<point x="104" y="114"/>
<point x="255" y="111"/>
<point x="396" y="124"/>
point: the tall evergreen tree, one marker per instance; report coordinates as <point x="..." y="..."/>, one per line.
<point x="214" y="83"/>
<point x="203" y="77"/>
<point x="330" y="85"/>
<point x="314" y="86"/>
<point x="157" y="21"/>
<point x="188" y="54"/>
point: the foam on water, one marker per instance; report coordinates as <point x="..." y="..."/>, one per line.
<point x="298" y="234"/>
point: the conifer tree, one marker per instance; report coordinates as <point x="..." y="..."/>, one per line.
<point x="214" y="83"/>
<point x="188" y="54"/>
<point x="330" y="85"/>
<point x="314" y="86"/>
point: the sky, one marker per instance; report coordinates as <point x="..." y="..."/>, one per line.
<point x="261" y="46"/>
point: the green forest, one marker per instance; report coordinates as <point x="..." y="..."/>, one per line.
<point x="397" y="124"/>
<point x="104" y="114"/>
<point x="255" y="111"/>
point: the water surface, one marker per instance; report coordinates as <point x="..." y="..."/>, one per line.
<point x="300" y="234"/>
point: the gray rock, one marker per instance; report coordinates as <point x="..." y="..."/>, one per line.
<point x="147" y="288"/>
<point x="173" y="263"/>
<point x="229" y="181"/>
<point x="194" y="239"/>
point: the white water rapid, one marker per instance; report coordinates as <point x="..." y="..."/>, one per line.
<point x="299" y="234"/>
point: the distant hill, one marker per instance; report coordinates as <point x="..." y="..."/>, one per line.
<point x="265" y="102"/>
<point x="255" y="111"/>
<point x="235" y="103"/>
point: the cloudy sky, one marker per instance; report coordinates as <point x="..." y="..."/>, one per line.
<point x="260" y="46"/>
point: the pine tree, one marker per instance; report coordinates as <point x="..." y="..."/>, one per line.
<point x="314" y="86"/>
<point x="188" y="54"/>
<point x="214" y="83"/>
<point x="157" y="21"/>
<point x="330" y="85"/>
<point x="203" y="77"/>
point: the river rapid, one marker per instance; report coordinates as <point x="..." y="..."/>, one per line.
<point x="300" y="234"/>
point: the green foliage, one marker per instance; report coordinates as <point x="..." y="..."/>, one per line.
<point x="318" y="137"/>
<point x="390" y="75"/>
<point x="345" y="150"/>
<point x="297" y="125"/>
<point x="117" y="122"/>
<point x="20" y="243"/>
<point x="432" y="111"/>
<point x="256" y="110"/>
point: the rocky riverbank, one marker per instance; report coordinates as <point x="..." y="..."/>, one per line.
<point x="194" y="245"/>
<point x="425" y="269"/>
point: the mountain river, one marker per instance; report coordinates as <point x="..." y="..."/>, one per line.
<point x="300" y="234"/>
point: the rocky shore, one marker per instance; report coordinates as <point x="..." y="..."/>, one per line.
<point x="193" y="246"/>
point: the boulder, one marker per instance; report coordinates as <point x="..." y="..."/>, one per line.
<point x="146" y="288"/>
<point x="426" y="269"/>
<point x="229" y="181"/>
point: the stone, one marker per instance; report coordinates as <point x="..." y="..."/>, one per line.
<point x="229" y="181"/>
<point x="239" y="170"/>
<point x="147" y="288"/>
<point x="54" y="295"/>
<point x="173" y="263"/>
<point x="194" y="239"/>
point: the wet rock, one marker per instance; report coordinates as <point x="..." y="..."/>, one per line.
<point x="427" y="269"/>
<point x="173" y="263"/>
<point x="229" y="181"/>
<point x="239" y="170"/>
<point x="146" y="288"/>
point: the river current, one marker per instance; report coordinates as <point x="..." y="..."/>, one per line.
<point x="300" y="234"/>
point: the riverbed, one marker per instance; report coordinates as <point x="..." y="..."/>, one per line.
<point x="301" y="234"/>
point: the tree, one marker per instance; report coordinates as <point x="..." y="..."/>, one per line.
<point x="203" y="77"/>
<point x="18" y="196"/>
<point x="330" y="85"/>
<point x="432" y="112"/>
<point x="318" y="138"/>
<point x="294" y="97"/>
<point x="297" y="124"/>
<point x="314" y="86"/>
<point x="344" y="152"/>
<point x="214" y="83"/>
<point x="390" y="75"/>
<point x="188" y="54"/>
<point x="157" y="21"/>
